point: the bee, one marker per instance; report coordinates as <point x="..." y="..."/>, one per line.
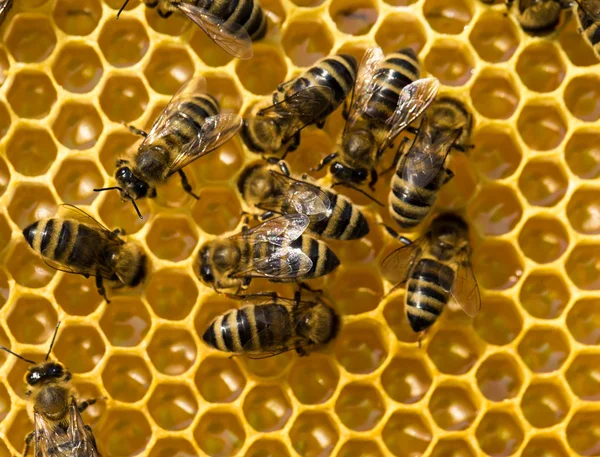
<point x="387" y="97"/>
<point x="233" y="26"/>
<point x="539" y="17"/>
<point x="188" y="128"/>
<point x="332" y="215"/>
<point x="588" y="16"/>
<point x="275" y="249"/>
<point x="270" y="325"/>
<point x="77" y="243"/>
<point x="434" y="268"/>
<point x="59" y="429"/>
<point x="5" y="7"/>
<point x="302" y="101"/>
<point x="421" y="172"/>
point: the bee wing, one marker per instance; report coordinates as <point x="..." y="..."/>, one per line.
<point x="69" y="211"/>
<point x="231" y="37"/>
<point x="5" y="7"/>
<point x="44" y="436"/>
<point x="398" y="264"/>
<point x="277" y="231"/>
<point x="465" y="290"/>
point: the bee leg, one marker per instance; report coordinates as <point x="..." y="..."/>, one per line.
<point x="325" y="161"/>
<point x="81" y="407"/>
<point x="320" y="124"/>
<point x="449" y="174"/>
<point x="396" y="235"/>
<point x="136" y="131"/>
<point x="412" y="130"/>
<point x="266" y="215"/>
<point x="28" y="440"/>
<point x="283" y="168"/>
<point x="186" y="184"/>
<point x="374" y="178"/>
<point x="292" y="146"/>
<point x="399" y="153"/>
<point x="301" y="352"/>
<point x="345" y="111"/>
<point x="100" y="286"/>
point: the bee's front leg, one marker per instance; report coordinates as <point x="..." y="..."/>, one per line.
<point x="100" y="286"/>
<point x="186" y="185"/>
<point x="28" y="440"/>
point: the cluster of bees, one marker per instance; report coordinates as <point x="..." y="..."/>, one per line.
<point x="382" y="97"/>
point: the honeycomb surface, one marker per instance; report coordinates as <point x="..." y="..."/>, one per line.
<point x="522" y="378"/>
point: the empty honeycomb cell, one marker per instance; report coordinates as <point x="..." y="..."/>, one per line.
<point x="544" y="404"/>
<point x="40" y="316"/>
<point x="77" y="295"/>
<point x="395" y="316"/>
<point x="453" y="352"/>
<point x="172" y="351"/>
<point x="114" y="147"/>
<point x="85" y="390"/>
<point x="544" y="350"/>
<point x="172" y="447"/>
<point x="118" y="214"/>
<point x="583" y="267"/>
<point x="499" y="322"/>
<point x="123" y="42"/>
<point x="583" y="377"/>
<point x="262" y="83"/>
<point x="499" y="434"/>
<point x="313" y="379"/>
<point x="453" y="407"/>
<point x="544" y="295"/>
<point x="306" y="41"/>
<point x="452" y="447"/>
<point x="494" y="37"/>
<point x="125" y="432"/>
<point x="574" y="45"/>
<point x="544" y="446"/>
<point x="267" y="408"/>
<point x="582" y="98"/>
<point x="29" y="203"/>
<point x="313" y="434"/>
<point x="209" y="52"/>
<point x="398" y="31"/>
<point x="27" y="269"/>
<point x="76" y="180"/>
<point x="541" y="67"/>
<point x="18" y="429"/>
<point x="171" y="294"/>
<point x="543" y="239"/>
<point x="271" y="367"/>
<point x="359" y="407"/>
<point x="451" y="62"/>
<point x="543" y="182"/>
<point x="126" y="377"/>
<point x="31" y="94"/>
<point x="31" y="151"/>
<point x="448" y="17"/>
<point x="126" y="322"/>
<point x="497" y="265"/>
<point x="5" y="403"/>
<point x="583" y="321"/>
<point x="173" y="406"/>
<point x="366" y="288"/>
<point x="360" y="448"/>
<point x="542" y="125"/>
<point x="221" y="165"/>
<point x="406" y="379"/>
<point x="77" y="126"/>
<point x="220" y="434"/>
<point x="4" y="126"/>
<point x="168" y="68"/>
<point x="361" y="347"/>
<point x="495" y="210"/>
<point x="355" y="17"/>
<point x="494" y="94"/>
<point x="219" y="380"/>
<point x="124" y="98"/>
<point x="583" y="432"/>
<point x="582" y="153"/>
<point x="175" y="25"/>
<point x="406" y="434"/>
<point x="77" y="17"/>
<point x="30" y="38"/>
<point x="172" y="238"/>
<point x="583" y="210"/>
<point x="218" y="211"/>
<point x="79" y="347"/>
<point x="456" y="194"/>
<point x="267" y="448"/>
<point x="496" y="154"/>
<point x="77" y="68"/>
<point x="223" y="88"/>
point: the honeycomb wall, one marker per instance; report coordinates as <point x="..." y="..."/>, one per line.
<point x="519" y="379"/>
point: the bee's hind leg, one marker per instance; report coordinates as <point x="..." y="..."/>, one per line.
<point x="394" y="234"/>
<point x="81" y="407"/>
<point x="28" y="440"/>
<point x="399" y="153"/>
<point x="136" y="131"/>
<point x="186" y="185"/>
<point x="100" y="286"/>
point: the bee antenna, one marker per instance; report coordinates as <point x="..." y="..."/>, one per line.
<point x="107" y="188"/>
<point x="18" y="356"/>
<point x="370" y="197"/>
<point x="137" y="209"/>
<point x="122" y="8"/>
<point x="53" y="339"/>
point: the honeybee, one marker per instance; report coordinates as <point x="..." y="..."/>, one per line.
<point x="331" y="215"/>
<point x="588" y="16"/>
<point x="434" y="268"/>
<point x="59" y="429"/>
<point x="75" y="242"/>
<point x="232" y="26"/>
<point x="539" y="17"/>
<point x="5" y="7"/>
<point x="188" y="128"/>
<point x="421" y="172"/>
<point x="302" y="101"/>
<point x="270" y="325"/>
<point x="387" y="97"/>
<point x="275" y="249"/>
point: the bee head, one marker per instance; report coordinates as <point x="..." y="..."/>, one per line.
<point x="358" y="145"/>
<point x="255" y="183"/>
<point x="131" y="187"/>
<point x="129" y="263"/>
<point x="320" y="324"/>
<point x="344" y="173"/>
<point x="450" y="229"/>
<point x="47" y="372"/>
<point x="205" y="269"/>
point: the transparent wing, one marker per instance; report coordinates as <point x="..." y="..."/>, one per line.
<point x="282" y="263"/>
<point x="231" y="37"/>
<point x="5" y="6"/>
<point x="465" y="290"/>
<point x="398" y="264"/>
<point x="277" y="231"/>
<point x="69" y="211"/>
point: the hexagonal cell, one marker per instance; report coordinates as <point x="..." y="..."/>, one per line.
<point x="544" y="349"/>
<point x="582" y="153"/>
<point x="77" y="68"/>
<point x="494" y="38"/>
<point x="359" y="407"/>
<point x="77" y="126"/>
<point x="496" y="154"/>
<point x="171" y="294"/>
<point x="367" y="291"/>
<point x="126" y="377"/>
<point x="175" y="26"/>
<point x="126" y="322"/>
<point x="125" y="432"/>
<point x="543" y="182"/>
<point x="355" y="17"/>
<point x="267" y="368"/>
<point x="262" y="84"/>
<point x="314" y="379"/>
<point x="583" y="268"/>
<point x="541" y="125"/>
<point x="86" y="390"/>
<point x="209" y="52"/>
<point x="451" y="62"/>
<point x="361" y="347"/>
<point x="223" y="88"/>
<point x="172" y="238"/>
<point x="543" y="239"/>
<point x="77" y="17"/>
<point x="406" y="380"/>
<point x="499" y="321"/>
<point x="499" y="433"/>
<point x="495" y="210"/>
<point x="31" y="95"/>
<point x="313" y="434"/>
<point x="494" y="94"/>
<point x="76" y="180"/>
<point x="218" y="211"/>
<point x="19" y="428"/>
<point x="406" y="434"/>
<point x="306" y="41"/>
<point x="27" y="269"/>
<point x="583" y="431"/>
<point x="453" y="352"/>
<point x="31" y="151"/>
<point x="220" y="434"/>
<point x="398" y="31"/>
<point x="172" y="350"/>
<point x="581" y="97"/>
<point x="80" y="348"/>
<point x="582" y="211"/>
<point x="544" y="295"/>
<point x="544" y="404"/>
<point x="448" y="17"/>
<point x="5" y="403"/>
<point x="583" y="321"/>
<point x="172" y="447"/>
<point x="267" y="448"/>
<point x="583" y="377"/>
<point x="456" y="194"/>
<point x="116" y="213"/>
<point x="452" y="447"/>
<point x="30" y="38"/>
<point x="360" y="448"/>
<point x="453" y="407"/>
<point x="168" y="68"/>
<point x="124" y="98"/>
<point x="267" y="408"/>
<point x="173" y="406"/>
<point x="29" y="203"/>
<point x="123" y="42"/>
<point x="544" y="446"/>
<point x="541" y="67"/>
<point x="40" y="316"/>
<point x="219" y="380"/>
<point x="497" y="265"/>
<point x="395" y="316"/>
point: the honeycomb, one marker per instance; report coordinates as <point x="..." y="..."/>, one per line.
<point x="522" y="378"/>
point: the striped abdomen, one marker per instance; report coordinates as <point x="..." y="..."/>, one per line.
<point x="246" y="13"/>
<point x="589" y="28"/>
<point x="256" y="328"/>
<point x="427" y="292"/>
<point x="345" y="220"/>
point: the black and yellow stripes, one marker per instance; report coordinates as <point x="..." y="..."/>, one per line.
<point x="344" y="222"/>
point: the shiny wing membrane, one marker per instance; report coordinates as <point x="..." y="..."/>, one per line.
<point x="397" y="265"/>
<point x="69" y="211"/>
<point x="5" y="6"/>
<point x="277" y="231"/>
<point x="465" y="290"/>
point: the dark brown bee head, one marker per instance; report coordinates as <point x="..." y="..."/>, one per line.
<point x="450" y="231"/>
<point x="255" y="183"/>
<point x="358" y="145"/>
<point x="320" y="324"/>
<point x="344" y="173"/>
<point x="129" y="263"/>
<point x="130" y="186"/>
<point x="215" y="260"/>
<point x="47" y="373"/>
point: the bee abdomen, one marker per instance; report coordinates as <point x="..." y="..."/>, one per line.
<point x="52" y="238"/>
<point x="323" y="258"/>
<point x="408" y="205"/>
<point x="337" y="72"/>
<point x="245" y="13"/>
<point x="346" y="221"/>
